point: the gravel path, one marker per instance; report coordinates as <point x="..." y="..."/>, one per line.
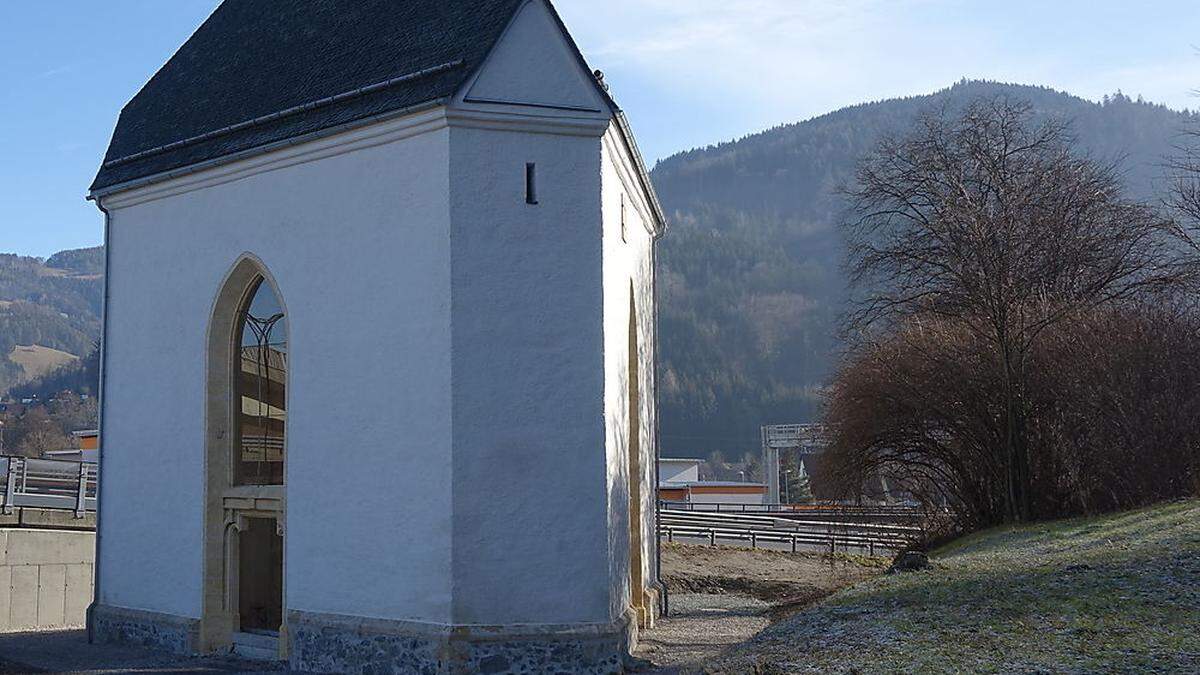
<point x="722" y="597"/>
<point x="699" y="628"/>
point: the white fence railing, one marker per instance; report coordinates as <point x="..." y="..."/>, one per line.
<point x="48" y="484"/>
<point x="763" y="528"/>
<point x="891" y="512"/>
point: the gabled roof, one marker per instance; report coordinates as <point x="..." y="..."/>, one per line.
<point x="260" y="71"/>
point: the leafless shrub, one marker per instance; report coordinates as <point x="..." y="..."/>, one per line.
<point x="974" y="237"/>
<point x="1113" y="403"/>
<point x="1118" y="409"/>
<point x="919" y="410"/>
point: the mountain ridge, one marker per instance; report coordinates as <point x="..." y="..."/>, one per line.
<point x="751" y="284"/>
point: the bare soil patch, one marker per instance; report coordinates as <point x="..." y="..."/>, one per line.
<point x="771" y="576"/>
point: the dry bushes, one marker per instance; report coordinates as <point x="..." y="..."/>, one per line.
<point x="1112" y="415"/>
<point x="1011" y="356"/>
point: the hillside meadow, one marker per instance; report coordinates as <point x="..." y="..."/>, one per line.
<point x="1111" y="594"/>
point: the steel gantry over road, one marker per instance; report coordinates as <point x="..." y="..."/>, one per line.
<point x="802" y="439"/>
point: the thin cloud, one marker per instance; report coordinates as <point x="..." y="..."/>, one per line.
<point x="777" y="52"/>
<point x="68" y="148"/>
<point x="654" y="29"/>
<point x="60" y="70"/>
<point x="731" y="67"/>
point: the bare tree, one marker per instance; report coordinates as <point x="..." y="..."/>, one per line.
<point x="988" y="220"/>
<point x="41" y="434"/>
<point x="1184" y="195"/>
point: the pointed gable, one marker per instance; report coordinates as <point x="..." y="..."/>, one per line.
<point x="534" y="64"/>
<point x="258" y="72"/>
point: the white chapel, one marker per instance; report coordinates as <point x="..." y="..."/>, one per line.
<point x="379" y="341"/>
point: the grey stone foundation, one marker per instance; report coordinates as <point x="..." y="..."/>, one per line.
<point x="135" y="627"/>
<point x="325" y="643"/>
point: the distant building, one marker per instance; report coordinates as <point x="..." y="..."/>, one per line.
<point x="87" y="448"/>
<point x="679" y="481"/>
<point x="88" y="440"/>
<point x="672" y="470"/>
<point x="436" y="205"/>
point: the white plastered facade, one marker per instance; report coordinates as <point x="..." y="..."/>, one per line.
<point x="458" y="375"/>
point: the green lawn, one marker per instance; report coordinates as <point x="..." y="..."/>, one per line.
<point x="1119" y="593"/>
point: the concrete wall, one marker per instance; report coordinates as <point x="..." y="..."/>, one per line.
<point x="729" y="497"/>
<point x="354" y="230"/>
<point x="45" y="578"/>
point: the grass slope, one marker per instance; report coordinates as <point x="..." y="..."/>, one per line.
<point x="36" y="360"/>
<point x="1119" y="593"/>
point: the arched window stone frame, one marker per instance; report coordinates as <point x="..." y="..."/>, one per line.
<point x="227" y="503"/>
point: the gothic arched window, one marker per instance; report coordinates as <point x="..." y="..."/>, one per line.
<point x="261" y="389"/>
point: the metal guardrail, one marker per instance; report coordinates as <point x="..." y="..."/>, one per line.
<point x="48" y="484"/>
<point x="784" y="522"/>
<point x="877" y="512"/>
<point x="754" y="537"/>
<point x="789" y="508"/>
<point x="867" y="537"/>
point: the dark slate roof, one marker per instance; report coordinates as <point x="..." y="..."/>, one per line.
<point x="255" y="59"/>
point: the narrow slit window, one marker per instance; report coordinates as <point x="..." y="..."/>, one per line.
<point x="624" y="236"/>
<point x="531" y="196"/>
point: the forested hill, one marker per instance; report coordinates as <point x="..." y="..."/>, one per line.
<point x="751" y="282"/>
<point x="49" y="312"/>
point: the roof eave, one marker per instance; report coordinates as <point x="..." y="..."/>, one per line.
<point x="97" y="192"/>
<point x="660" y="225"/>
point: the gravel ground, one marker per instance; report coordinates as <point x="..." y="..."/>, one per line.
<point x="699" y="629"/>
<point x="722" y="597"/>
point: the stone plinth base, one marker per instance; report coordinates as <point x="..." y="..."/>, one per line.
<point x="152" y="630"/>
<point x="327" y="643"/>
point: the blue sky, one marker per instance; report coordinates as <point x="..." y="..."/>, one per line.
<point x="688" y="72"/>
